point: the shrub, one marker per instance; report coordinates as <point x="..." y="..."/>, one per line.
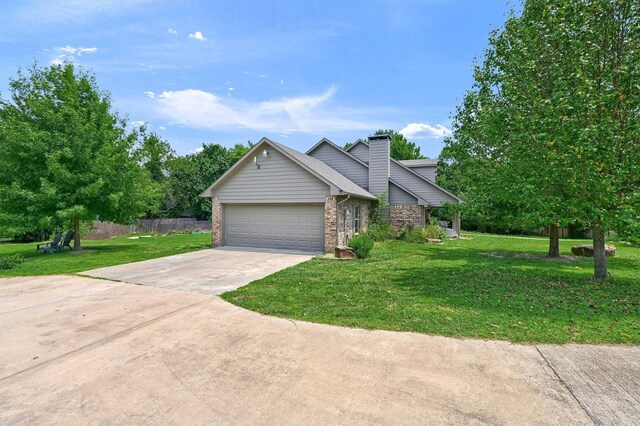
<point x="379" y="231"/>
<point x="377" y="214"/>
<point x="433" y="232"/>
<point x="411" y="234"/>
<point x="362" y="244"/>
<point x="10" y="262"/>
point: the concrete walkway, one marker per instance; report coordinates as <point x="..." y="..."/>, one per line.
<point x="79" y="350"/>
<point x="212" y="271"/>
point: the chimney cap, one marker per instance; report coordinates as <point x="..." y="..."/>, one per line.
<point x="379" y="137"/>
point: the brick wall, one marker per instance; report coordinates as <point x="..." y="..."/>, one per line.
<point x="330" y="206"/>
<point x="216" y="222"/>
<point x="346" y="231"/>
<point x="403" y="214"/>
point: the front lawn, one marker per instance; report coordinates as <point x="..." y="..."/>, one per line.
<point x="487" y="287"/>
<point x="113" y="251"/>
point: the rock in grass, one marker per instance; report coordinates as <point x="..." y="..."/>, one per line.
<point x="345" y="253"/>
<point x="586" y="250"/>
<point x="434" y="240"/>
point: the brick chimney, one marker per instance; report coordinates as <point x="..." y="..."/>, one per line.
<point x="379" y="164"/>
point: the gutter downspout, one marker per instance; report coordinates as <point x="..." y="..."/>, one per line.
<point x="338" y="221"/>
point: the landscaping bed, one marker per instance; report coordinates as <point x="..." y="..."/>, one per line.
<point x="455" y="289"/>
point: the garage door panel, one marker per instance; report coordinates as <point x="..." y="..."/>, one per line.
<point x="297" y="227"/>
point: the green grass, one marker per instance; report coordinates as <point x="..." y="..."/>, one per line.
<point x="113" y="251"/>
<point x="481" y="288"/>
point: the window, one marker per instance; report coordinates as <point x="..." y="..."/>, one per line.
<point x="356" y="219"/>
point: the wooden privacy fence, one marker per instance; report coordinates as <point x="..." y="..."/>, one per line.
<point x="102" y="230"/>
<point x="169" y="225"/>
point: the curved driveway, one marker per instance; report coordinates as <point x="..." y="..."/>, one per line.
<point x="79" y="350"/>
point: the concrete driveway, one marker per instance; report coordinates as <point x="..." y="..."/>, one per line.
<point x="211" y="271"/>
<point x="78" y="350"/>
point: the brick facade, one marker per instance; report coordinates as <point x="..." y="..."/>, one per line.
<point x="216" y="222"/>
<point x="346" y="230"/>
<point x="330" y="207"/>
<point x="334" y="223"/>
<point x="403" y="214"/>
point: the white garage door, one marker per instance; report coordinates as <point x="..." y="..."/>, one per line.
<point x="280" y="226"/>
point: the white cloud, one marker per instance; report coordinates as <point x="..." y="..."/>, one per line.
<point x="231" y="89"/>
<point x="197" y="150"/>
<point x="425" y="131"/>
<point x="137" y="123"/>
<point x="197" y="36"/>
<point x="162" y="128"/>
<point x="68" y="53"/>
<point x="304" y="114"/>
<point x="150" y="94"/>
<point x="172" y="31"/>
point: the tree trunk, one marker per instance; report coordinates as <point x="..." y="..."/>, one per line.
<point x="76" y="234"/>
<point x="554" y="240"/>
<point x="599" y="256"/>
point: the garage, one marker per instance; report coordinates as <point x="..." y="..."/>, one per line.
<point x="278" y="226"/>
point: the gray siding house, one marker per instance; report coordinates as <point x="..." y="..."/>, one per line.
<point x="277" y="197"/>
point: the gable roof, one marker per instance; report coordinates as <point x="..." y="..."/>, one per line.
<point x="400" y="163"/>
<point x="424" y="162"/>
<point x="329" y="173"/>
<point x="338" y="148"/>
<point x="359" y="141"/>
<point x="421" y="201"/>
<point x="314" y="166"/>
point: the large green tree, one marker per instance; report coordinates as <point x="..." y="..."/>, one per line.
<point x="552" y="123"/>
<point x="191" y="174"/>
<point x="65" y="155"/>
<point x="156" y="155"/>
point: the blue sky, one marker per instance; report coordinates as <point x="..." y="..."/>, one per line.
<point x="231" y="71"/>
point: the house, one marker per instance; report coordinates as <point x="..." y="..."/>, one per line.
<point x="277" y="197"/>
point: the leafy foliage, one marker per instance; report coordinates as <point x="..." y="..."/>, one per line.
<point x="184" y="178"/>
<point x="548" y="134"/>
<point x="378" y="213"/>
<point x="432" y="231"/>
<point x="379" y="231"/>
<point x="401" y="148"/>
<point x="411" y="234"/>
<point x="362" y="244"/>
<point x="11" y="261"/>
<point x="418" y="234"/>
<point x="65" y="155"/>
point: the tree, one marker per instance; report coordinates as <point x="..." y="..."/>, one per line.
<point x="401" y="148"/>
<point x="237" y="151"/>
<point x="155" y="155"/>
<point x="554" y="116"/>
<point x="191" y="174"/>
<point x="65" y="156"/>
